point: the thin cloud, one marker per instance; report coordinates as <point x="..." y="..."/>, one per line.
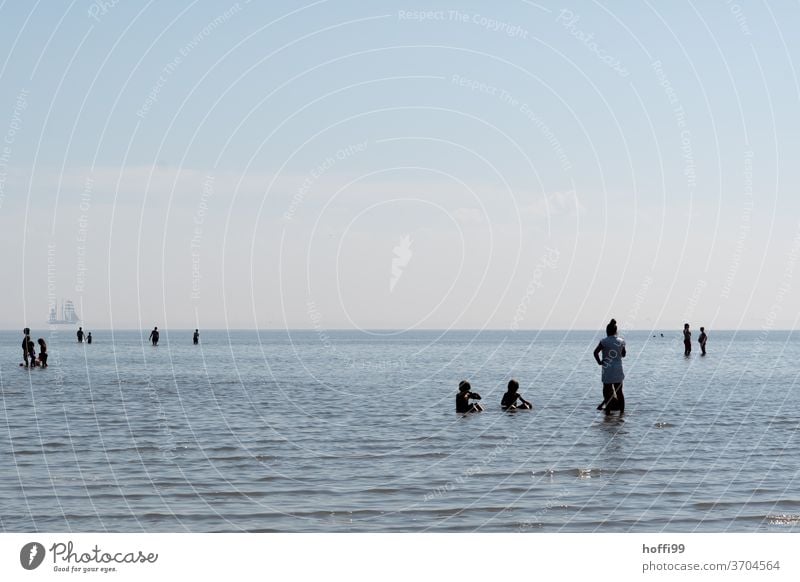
<point x="555" y="204"/>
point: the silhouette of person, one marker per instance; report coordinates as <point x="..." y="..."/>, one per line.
<point x="154" y="336"/>
<point x="89" y="338"/>
<point x="196" y="337"/>
<point x="26" y="336"/>
<point x="80" y="335"/>
<point x="31" y="351"/>
<point x="613" y="350"/>
<point x="462" y="398"/>
<point x="42" y="352"/>
<point x="509" y="401"/>
<point x="687" y="340"/>
<point x="702" y="339"/>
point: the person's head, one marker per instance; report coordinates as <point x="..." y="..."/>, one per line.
<point x="41" y="341"/>
<point x="611" y="328"/>
<point x="464" y="386"/>
<point x="156" y="328"/>
<point x="195" y="331"/>
<point x="685" y="326"/>
<point x="513" y="386"/>
<point x="80" y="328"/>
<point x="702" y="328"/>
<point x="26" y="331"/>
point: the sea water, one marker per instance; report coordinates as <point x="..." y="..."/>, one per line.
<point x="312" y="431"/>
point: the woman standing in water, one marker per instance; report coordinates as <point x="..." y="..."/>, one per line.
<point x="42" y="352"/>
<point x="613" y="349"/>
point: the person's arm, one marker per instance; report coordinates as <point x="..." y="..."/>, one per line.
<point x="475" y="395"/>
<point x="524" y="401"/>
<point x="623" y="352"/>
<point x="597" y="351"/>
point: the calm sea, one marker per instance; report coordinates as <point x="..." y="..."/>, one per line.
<point x="350" y="431"/>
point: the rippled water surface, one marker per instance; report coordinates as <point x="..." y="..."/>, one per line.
<point x="347" y="431"/>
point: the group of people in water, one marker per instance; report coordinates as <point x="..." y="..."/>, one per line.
<point x="81" y="335"/>
<point x="608" y="354"/>
<point x="29" y="351"/>
<point x="29" y="357"/>
<point x="687" y="340"/>
<point x="31" y="360"/>
<point x="512" y="399"/>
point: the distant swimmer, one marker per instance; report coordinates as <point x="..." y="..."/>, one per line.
<point x="463" y="403"/>
<point x="154" y="336"/>
<point x="196" y="337"/>
<point x="43" y="352"/>
<point x="702" y="339"/>
<point x="613" y="350"/>
<point x="80" y="335"/>
<point x="89" y="338"/>
<point x="687" y="340"/>
<point x="510" y="398"/>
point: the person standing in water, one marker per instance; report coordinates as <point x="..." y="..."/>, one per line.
<point x="25" y="333"/>
<point x="196" y="337"/>
<point x="613" y="349"/>
<point x="702" y="339"/>
<point x="154" y="336"/>
<point x="89" y="338"/>
<point x="80" y="335"/>
<point x="687" y="340"/>
<point x="43" y="352"/>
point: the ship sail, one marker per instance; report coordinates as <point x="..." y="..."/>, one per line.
<point x="68" y="314"/>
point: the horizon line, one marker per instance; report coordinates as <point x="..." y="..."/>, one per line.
<point x="386" y="329"/>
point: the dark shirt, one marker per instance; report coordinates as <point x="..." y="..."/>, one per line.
<point x="462" y="401"/>
<point x="509" y="399"/>
<point x="703" y="337"/>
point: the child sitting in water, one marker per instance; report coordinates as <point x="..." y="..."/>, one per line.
<point x="510" y="398"/>
<point x="462" y="398"/>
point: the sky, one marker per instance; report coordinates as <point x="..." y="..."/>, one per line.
<point x="400" y="165"/>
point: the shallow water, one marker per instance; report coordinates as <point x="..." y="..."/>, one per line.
<point x="348" y="431"/>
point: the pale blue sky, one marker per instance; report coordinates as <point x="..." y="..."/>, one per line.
<point x="258" y="164"/>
